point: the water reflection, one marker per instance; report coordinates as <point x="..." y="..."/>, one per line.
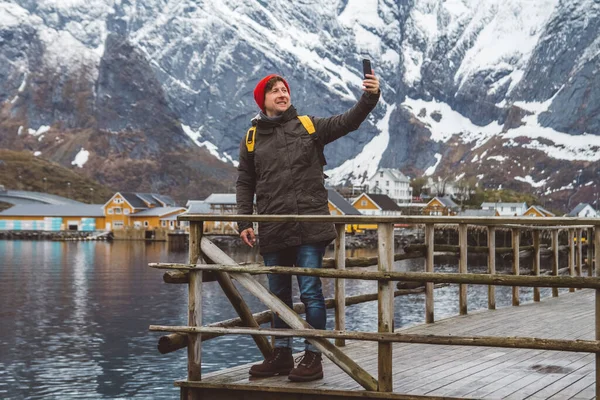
<point x="75" y="315"/>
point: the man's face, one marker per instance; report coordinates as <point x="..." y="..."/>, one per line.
<point x="277" y="100"/>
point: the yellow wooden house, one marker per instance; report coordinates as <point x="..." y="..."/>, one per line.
<point x="339" y="206"/>
<point x="122" y="206"/>
<point x="441" y="206"/>
<point x="538" y="211"/>
<point x="375" y="204"/>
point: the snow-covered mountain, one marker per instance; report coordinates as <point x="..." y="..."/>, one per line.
<point x="504" y="90"/>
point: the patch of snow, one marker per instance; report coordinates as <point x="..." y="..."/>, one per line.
<point x="452" y="123"/>
<point x="212" y="149"/>
<point x="37" y="153"/>
<point x="529" y="179"/>
<point x="365" y="164"/>
<point x="431" y="170"/>
<point x="508" y="31"/>
<point x="20" y="130"/>
<point x="40" y="131"/>
<point x="81" y="158"/>
<point x="497" y="158"/>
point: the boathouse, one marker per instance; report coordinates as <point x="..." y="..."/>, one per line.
<point x="49" y="217"/>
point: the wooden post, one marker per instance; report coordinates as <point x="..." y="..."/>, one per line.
<point x="579" y="253"/>
<point x="195" y="306"/>
<point x="590" y="251"/>
<point x="555" y="258"/>
<point x="571" y="237"/>
<point x="492" y="266"/>
<point x="515" y="241"/>
<point x="429" y="242"/>
<point x="597" y="261"/>
<point x="536" y="262"/>
<point x="385" y="310"/>
<point x="462" y="267"/>
<point x="340" y="283"/>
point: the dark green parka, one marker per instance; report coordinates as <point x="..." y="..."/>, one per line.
<point x="287" y="175"/>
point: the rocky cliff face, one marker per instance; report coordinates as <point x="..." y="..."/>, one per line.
<point x="507" y="91"/>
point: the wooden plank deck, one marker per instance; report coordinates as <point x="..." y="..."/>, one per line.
<point x="454" y="371"/>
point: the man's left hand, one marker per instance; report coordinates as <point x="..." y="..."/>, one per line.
<point x="371" y="83"/>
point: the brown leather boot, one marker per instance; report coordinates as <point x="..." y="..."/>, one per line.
<point x="281" y="362"/>
<point x="309" y="369"/>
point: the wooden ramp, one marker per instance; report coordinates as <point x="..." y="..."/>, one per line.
<point x="452" y="371"/>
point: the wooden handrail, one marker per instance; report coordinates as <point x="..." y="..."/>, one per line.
<point x="436" y="277"/>
<point x="399" y="219"/>
<point x="581" y="346"/>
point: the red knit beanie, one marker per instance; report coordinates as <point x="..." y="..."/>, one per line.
<point x="259" y="90"/>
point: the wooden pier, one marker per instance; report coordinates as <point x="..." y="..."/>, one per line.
<point x="545" y="349"/>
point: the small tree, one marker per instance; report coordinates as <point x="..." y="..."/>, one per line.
<point x="417" y="185"/>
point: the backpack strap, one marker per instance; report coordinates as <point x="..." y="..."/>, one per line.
<point x="251" y="139"/>
<point x="307" y="124"/>
<point x="310" y="128"/>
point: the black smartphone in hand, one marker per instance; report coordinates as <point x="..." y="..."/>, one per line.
<point x="366" y="67"/>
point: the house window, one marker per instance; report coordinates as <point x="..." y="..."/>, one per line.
<point x="146" y="224"/>
<point x="118" y="201"/>
<point x="137" y="224"/>
<point x="117" y="210"/>
<point x="163" y="223"/>
<point x="513" y="209"/>
<point x="376" y="183"/>
<point x="118" y="224"/>
<point x="387" y="183"/>
<point x="381" y="174"/>
<point x="110" y="211"/>
<point x="171" y="223"/>
<point x="126" y="211"/>
<point x="363" y="203"/>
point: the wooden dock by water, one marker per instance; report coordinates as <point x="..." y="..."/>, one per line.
<point x="547" y="349"/>
<point x="455" y="371"/>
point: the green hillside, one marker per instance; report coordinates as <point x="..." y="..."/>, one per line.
<point x="22" y="171"/>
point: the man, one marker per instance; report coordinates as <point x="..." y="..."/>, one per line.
<point x="281" y="162"/>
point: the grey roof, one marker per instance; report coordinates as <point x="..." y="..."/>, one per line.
<point x="579" y="208"/>
<point x="198" y="207"/>
<point x="478" y="213"/>
<point x="148" y="199"/>
<point x="384" y="202"/>
<point x="341" y="203"/>
<point x="221" y="198"/>
<point x="167" y="201"/>
<point x="50" y="210"/>
<point x="500" y="204"/>
<point x="157" y="211"/>
<point x="25" y="197"/>
<point x="447" y="201"/>
<point x="133" y="199"/>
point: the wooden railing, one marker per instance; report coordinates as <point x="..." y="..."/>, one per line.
<point x="205" y="257"/>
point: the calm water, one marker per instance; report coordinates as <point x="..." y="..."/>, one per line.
<point x="74" y="318"/>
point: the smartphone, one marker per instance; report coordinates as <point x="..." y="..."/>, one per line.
<point x="366" y="67"/>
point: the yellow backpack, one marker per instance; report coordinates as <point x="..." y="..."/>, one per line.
<point x="250" y="135"/>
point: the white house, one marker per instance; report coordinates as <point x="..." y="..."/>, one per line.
<point x="583" y="210"/>
<point x="393" y="183"/>
<point x="506" y="209"/>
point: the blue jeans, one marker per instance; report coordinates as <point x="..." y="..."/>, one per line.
<point x="311" y="292"/>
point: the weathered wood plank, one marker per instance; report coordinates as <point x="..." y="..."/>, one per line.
<point x="555" y="260"/>
<point x="195" y="304"/>
<point x="536" y="262"/>
<point x="340" y="283"/>
<point x="438" y="277"/>
<point x="571" y="237"/>
<point x="385" y="306"/>
<point x="515" y="241"/>
<point x="429" y="302"/>
<point x="491" y="266"/>
<point x="462" y="267"/>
